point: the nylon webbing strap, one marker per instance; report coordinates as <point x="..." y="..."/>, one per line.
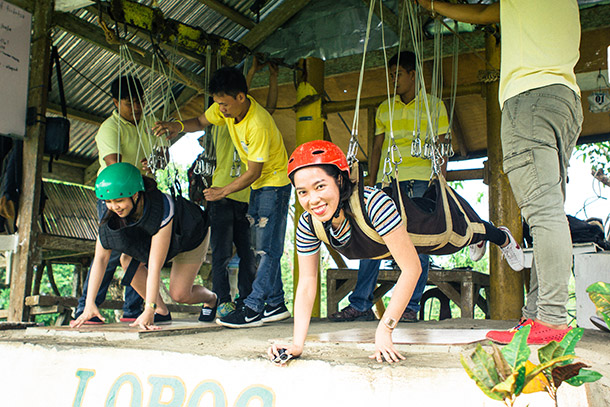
<point x="130" y="272"/>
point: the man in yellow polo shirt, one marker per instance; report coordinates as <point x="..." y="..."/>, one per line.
<point x="409" y="115"/>
<point x="260" y="145"/>
<point x="541" y="121"/>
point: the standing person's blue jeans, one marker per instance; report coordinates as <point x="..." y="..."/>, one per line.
<point x="229" y="226"/>
<point x="361" y="298"/>
<point x="132" y="307"/>
<point x="268" y="212"/>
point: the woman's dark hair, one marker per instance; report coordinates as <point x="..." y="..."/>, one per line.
<point x="149" y="185"/>
<point x="345" y="184"/>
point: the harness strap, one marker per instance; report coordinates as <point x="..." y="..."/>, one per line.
<point x="130" y="272"/>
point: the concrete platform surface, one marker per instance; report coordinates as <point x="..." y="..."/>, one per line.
<point x="190" y="364"/>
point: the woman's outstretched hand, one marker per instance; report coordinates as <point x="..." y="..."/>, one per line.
<point x="88" y="313"/>
<point x="384" y="347"/>
<point x="146" y="320"/>
<point x="281" y="354"/>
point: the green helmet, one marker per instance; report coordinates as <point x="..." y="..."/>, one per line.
<point x="120" y="180"/>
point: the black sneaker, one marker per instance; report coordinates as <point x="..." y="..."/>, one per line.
<point x="163" y="318"/>
<point x="208" y="314"/>
<point x="243" y="317"/>
<point x="350" y="313"/>
<point x="409" y="316"/>
<point x="275" y="313"/>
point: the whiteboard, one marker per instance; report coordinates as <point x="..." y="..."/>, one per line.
<point x="15" y="28"/>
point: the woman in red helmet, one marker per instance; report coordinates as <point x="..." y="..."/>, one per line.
<point x="358" y="223"/>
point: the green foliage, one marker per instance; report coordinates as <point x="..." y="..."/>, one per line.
<point x="600" y="295"/>
<point x="505" y="374"/>
<point x="173" y="174"/>
<point x="570" y="372"/>
<point x="598" y="154"/>
<point x="517" y="352"/>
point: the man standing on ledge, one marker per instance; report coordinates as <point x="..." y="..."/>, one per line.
<point x="260" y="145"/>
<point x="541" y="121"/>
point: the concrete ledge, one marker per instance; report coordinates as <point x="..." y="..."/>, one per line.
<point x="229" y="368"/>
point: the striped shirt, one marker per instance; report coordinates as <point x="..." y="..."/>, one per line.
<point x="380" y="209"/>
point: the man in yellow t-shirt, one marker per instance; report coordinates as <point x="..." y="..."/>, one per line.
<point x="260" y="145"/>
<point x="229" y="224"/>
<point x="541" y="121"/>
<point x="409" y="115"/>
<point x="119" y="140"/>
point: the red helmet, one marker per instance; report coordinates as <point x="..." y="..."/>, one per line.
<point x="317" y="152"/>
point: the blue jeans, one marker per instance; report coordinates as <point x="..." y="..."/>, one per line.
<point x="133" y="302"/>
<point x="267" y="213"/>
<point x="539" y="131"/>
<point x="229" y="226"/>
<point x="362" y="296"/>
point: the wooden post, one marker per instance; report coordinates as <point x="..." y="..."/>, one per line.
<point x="506" y="286"/>
<point x="310" y="126"/>
<point x="21" y="280"/>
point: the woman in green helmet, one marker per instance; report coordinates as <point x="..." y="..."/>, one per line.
<point x="150" y="228"/>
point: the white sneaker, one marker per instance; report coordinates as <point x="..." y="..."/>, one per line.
<point x="477" y="250"/>
<point x="512" y="252"/>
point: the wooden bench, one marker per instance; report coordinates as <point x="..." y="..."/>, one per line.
<point x="460" y="286"/>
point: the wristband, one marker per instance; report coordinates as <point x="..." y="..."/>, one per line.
<point x="151" y="305"/>
<point x="181" y="124"/>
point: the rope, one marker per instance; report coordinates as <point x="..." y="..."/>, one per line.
<point x="393" y="157"/>
<point x="352" y="149"/>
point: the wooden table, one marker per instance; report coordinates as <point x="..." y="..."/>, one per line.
<point x="459" y="285"/>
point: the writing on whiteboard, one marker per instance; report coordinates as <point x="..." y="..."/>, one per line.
<point x="15" y="31"/>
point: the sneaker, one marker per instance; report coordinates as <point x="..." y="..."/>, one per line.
<point x="512" y="252"/>
<point x="208" y="314"/>
<point x="505" y="337"/>
<point x="275" y="313"/>
<point x="350" y="313"/>
<point x="94" y="321"/>
<point x="244" y="317"/>
<point x="162" y="318"/>
<point x="542" y="334"/>
<point x="477" y="250"/>
<point x="225" y="309"/>
<point x="129" y="318"/>
<point x="409" y="316"/>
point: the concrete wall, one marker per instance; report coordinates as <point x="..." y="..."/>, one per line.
<point x="36" y="375"/>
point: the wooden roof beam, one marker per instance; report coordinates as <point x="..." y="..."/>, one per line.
<point x="76" y="114"/>
<point x="272" y="22"/>
<point x="229" y="13"/>
<point x="374" y="101"/>
<point x="95" y="35"/>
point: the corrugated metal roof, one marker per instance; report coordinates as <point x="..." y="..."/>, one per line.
<point x="92" y="69"/>
<point x="88" y="70"/>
